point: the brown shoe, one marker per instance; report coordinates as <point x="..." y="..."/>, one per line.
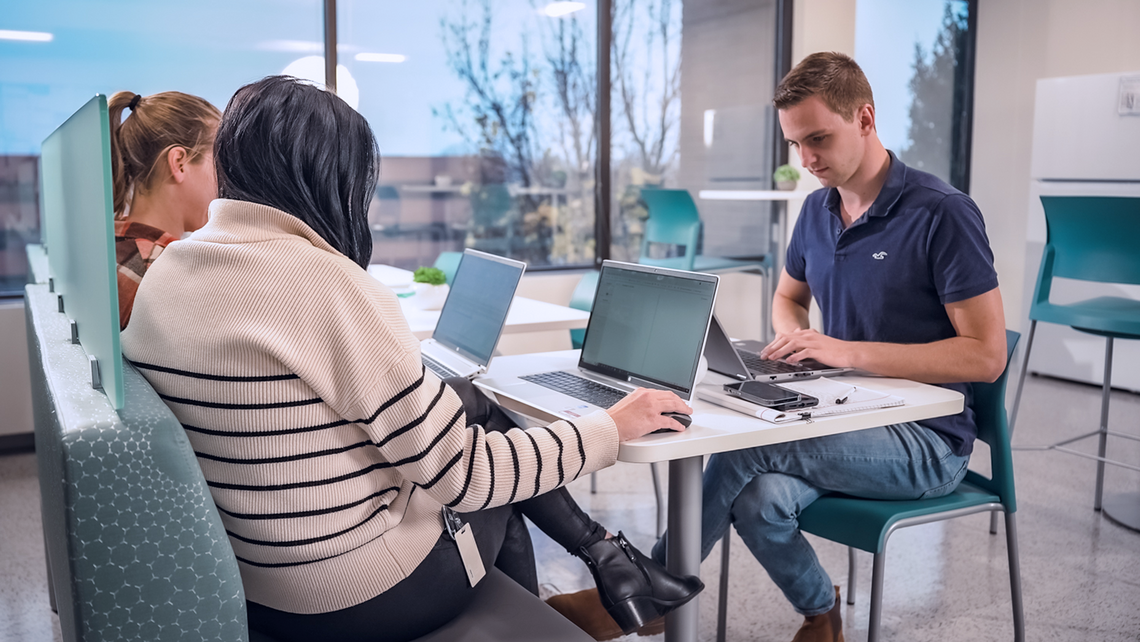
<point x="585" y="610"/>
<point x="825" y="627"/>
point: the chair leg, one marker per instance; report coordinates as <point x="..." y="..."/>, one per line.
<point x="660" y="495"/>
<point x="722" y="599"/>
<point x="1021" y="378"/>
<point x="876" y="596"/>
<point x="1104" y="421"/>
<point x="593" y="483"/>
<point x="1014" y="577"/>
<point x="993" y="522"/>
<point x="851" y="574"/>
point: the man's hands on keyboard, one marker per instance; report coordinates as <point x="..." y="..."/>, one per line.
<point x="640" y="413"/>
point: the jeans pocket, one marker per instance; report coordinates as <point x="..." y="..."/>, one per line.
<point x="946" y="464"/>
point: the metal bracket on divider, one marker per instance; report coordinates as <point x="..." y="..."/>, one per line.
<point x="96" y="377"/>
<point x="74" y="331"/>
<point x="51" y="284"/>
<point x="60" y="298"/>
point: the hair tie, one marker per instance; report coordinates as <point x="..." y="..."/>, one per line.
<point x="134" y="102"/>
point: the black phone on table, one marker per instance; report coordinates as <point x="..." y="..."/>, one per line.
<point x="769" y="395"/>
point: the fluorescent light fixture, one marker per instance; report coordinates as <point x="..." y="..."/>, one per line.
<point x="380" y="57"/>
<point x="559" y="9"/>
<point x="291" y="46"/>
<point x="27" y="36"/>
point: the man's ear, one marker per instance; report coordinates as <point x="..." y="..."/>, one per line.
<point x="177" y="160"/>
<point x="866" y="118"/>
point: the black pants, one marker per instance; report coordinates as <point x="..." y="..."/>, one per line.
<point x="437" y="591"/>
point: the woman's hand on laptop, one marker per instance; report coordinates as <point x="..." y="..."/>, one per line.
<point x="640" y="413"/>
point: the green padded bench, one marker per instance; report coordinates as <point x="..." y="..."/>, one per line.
<point x="136" y="549"/>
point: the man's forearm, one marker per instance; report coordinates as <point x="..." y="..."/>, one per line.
<point x="788" y="315"/>
<point x="946" y="361"/>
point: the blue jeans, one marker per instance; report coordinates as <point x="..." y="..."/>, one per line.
<point x="762" y="491"/>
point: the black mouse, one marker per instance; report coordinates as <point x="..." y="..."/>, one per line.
<point x="685" y="420"/>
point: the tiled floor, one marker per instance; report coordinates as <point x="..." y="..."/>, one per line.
<point x="946" y="581"/>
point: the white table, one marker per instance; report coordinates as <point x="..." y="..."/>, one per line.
<point x="525" y="315"/>
<point x="717" y="429"/>
<point x="776" y="237"/>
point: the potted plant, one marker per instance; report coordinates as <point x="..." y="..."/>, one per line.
<point x="430" y="286"/>
<point x="786" y="177"/>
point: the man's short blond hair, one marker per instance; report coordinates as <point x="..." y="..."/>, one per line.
<point x="832" y="76"/>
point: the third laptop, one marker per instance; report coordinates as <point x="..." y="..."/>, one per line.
<point x="741" y="360"/>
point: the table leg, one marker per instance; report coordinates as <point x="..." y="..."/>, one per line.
<point x="684" y="554"/>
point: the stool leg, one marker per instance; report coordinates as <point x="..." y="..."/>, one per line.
<point x="1014" y="578"/>
<point x="593" y="483"/>
<point x="879" y="569"/>
<point x="1104" y="421"/>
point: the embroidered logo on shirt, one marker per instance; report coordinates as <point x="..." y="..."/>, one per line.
<point x="879" y="256"/>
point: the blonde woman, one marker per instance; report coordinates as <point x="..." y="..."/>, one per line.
<point x="162" y="166"/>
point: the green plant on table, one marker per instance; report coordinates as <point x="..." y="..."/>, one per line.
<point x="785" y="173"/>
<point x="429" y="275"/>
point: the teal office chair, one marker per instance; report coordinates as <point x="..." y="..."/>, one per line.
<point x="866" y="524"/>
<point x="583" y="299"/>
<point x="449" y="263"/>
<point x="674" y="220"/>
<point x="1090" y="238"/>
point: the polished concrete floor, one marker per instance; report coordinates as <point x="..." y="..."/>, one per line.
<point x="946" y="581"/>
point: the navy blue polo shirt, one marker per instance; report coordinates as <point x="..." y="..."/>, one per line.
<point x="921" y="245"/>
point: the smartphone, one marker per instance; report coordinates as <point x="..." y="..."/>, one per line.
<point x="769" y="395"/>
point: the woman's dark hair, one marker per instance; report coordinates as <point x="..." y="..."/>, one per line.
<point x="287" y="144"/>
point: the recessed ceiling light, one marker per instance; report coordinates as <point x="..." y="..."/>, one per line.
<point x="27" y="36"/>
<point x="380" y="57"/>
<point x="559" y="9"/>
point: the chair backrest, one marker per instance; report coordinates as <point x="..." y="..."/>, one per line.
<point x="1091" y="238"/>
<point x="449" y="263"/>
<point x="135" y="546"/>
<point x="673" y="220"/>
<point x="583" y="299"/>
<point x="993" y="429"/>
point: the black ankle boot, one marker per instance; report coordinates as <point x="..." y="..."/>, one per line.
<point x="633" y="588"/>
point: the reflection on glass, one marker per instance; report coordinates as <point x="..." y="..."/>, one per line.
<point x="117" y="45"/>
<point x="484" y="112"/>
<point x="692" y="85"/>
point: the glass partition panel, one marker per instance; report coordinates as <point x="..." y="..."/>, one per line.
<point x="80" y="235"/>
<point x="484" y="112"/>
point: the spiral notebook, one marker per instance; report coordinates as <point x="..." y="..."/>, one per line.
<point x="835" y="398"/>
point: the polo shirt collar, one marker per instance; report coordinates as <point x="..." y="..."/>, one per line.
<point x="889" y="194"/>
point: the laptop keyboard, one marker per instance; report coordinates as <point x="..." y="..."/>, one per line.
<point x="767" y="366"/>
<point x="440" y="370"/>
<point x="589" y="391"/>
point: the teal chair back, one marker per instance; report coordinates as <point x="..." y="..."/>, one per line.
<point x="448" y="262"/>
<point x="993" y="429"/>
<point x="673" y="220"/>
<point x="1090" y="238"/>
<point x="583" y="299"/>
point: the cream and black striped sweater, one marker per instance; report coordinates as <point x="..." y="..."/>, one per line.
<point x="326" y="445"/>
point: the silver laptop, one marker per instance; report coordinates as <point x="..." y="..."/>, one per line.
<point x="473" y="316"/>
<point x="741" y="360"/>
<point x="647" y="329"/>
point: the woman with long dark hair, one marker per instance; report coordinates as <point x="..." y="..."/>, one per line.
<point x="330" y="451"/>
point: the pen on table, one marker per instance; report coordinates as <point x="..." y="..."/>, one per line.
<point x="844" y="398"/>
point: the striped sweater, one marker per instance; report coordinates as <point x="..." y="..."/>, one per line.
<point x="326" y="445"/>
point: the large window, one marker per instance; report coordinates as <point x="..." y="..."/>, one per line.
<point x="486" y="111"/>
<point x="918" y="55"/>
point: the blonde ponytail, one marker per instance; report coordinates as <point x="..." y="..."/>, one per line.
<point x="151" y="127"/>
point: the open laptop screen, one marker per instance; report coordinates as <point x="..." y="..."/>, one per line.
<point x="476" y="308"/>
<point x="649" y="323"/>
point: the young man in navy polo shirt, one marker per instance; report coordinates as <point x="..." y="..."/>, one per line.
<point x="901" y="268"/>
